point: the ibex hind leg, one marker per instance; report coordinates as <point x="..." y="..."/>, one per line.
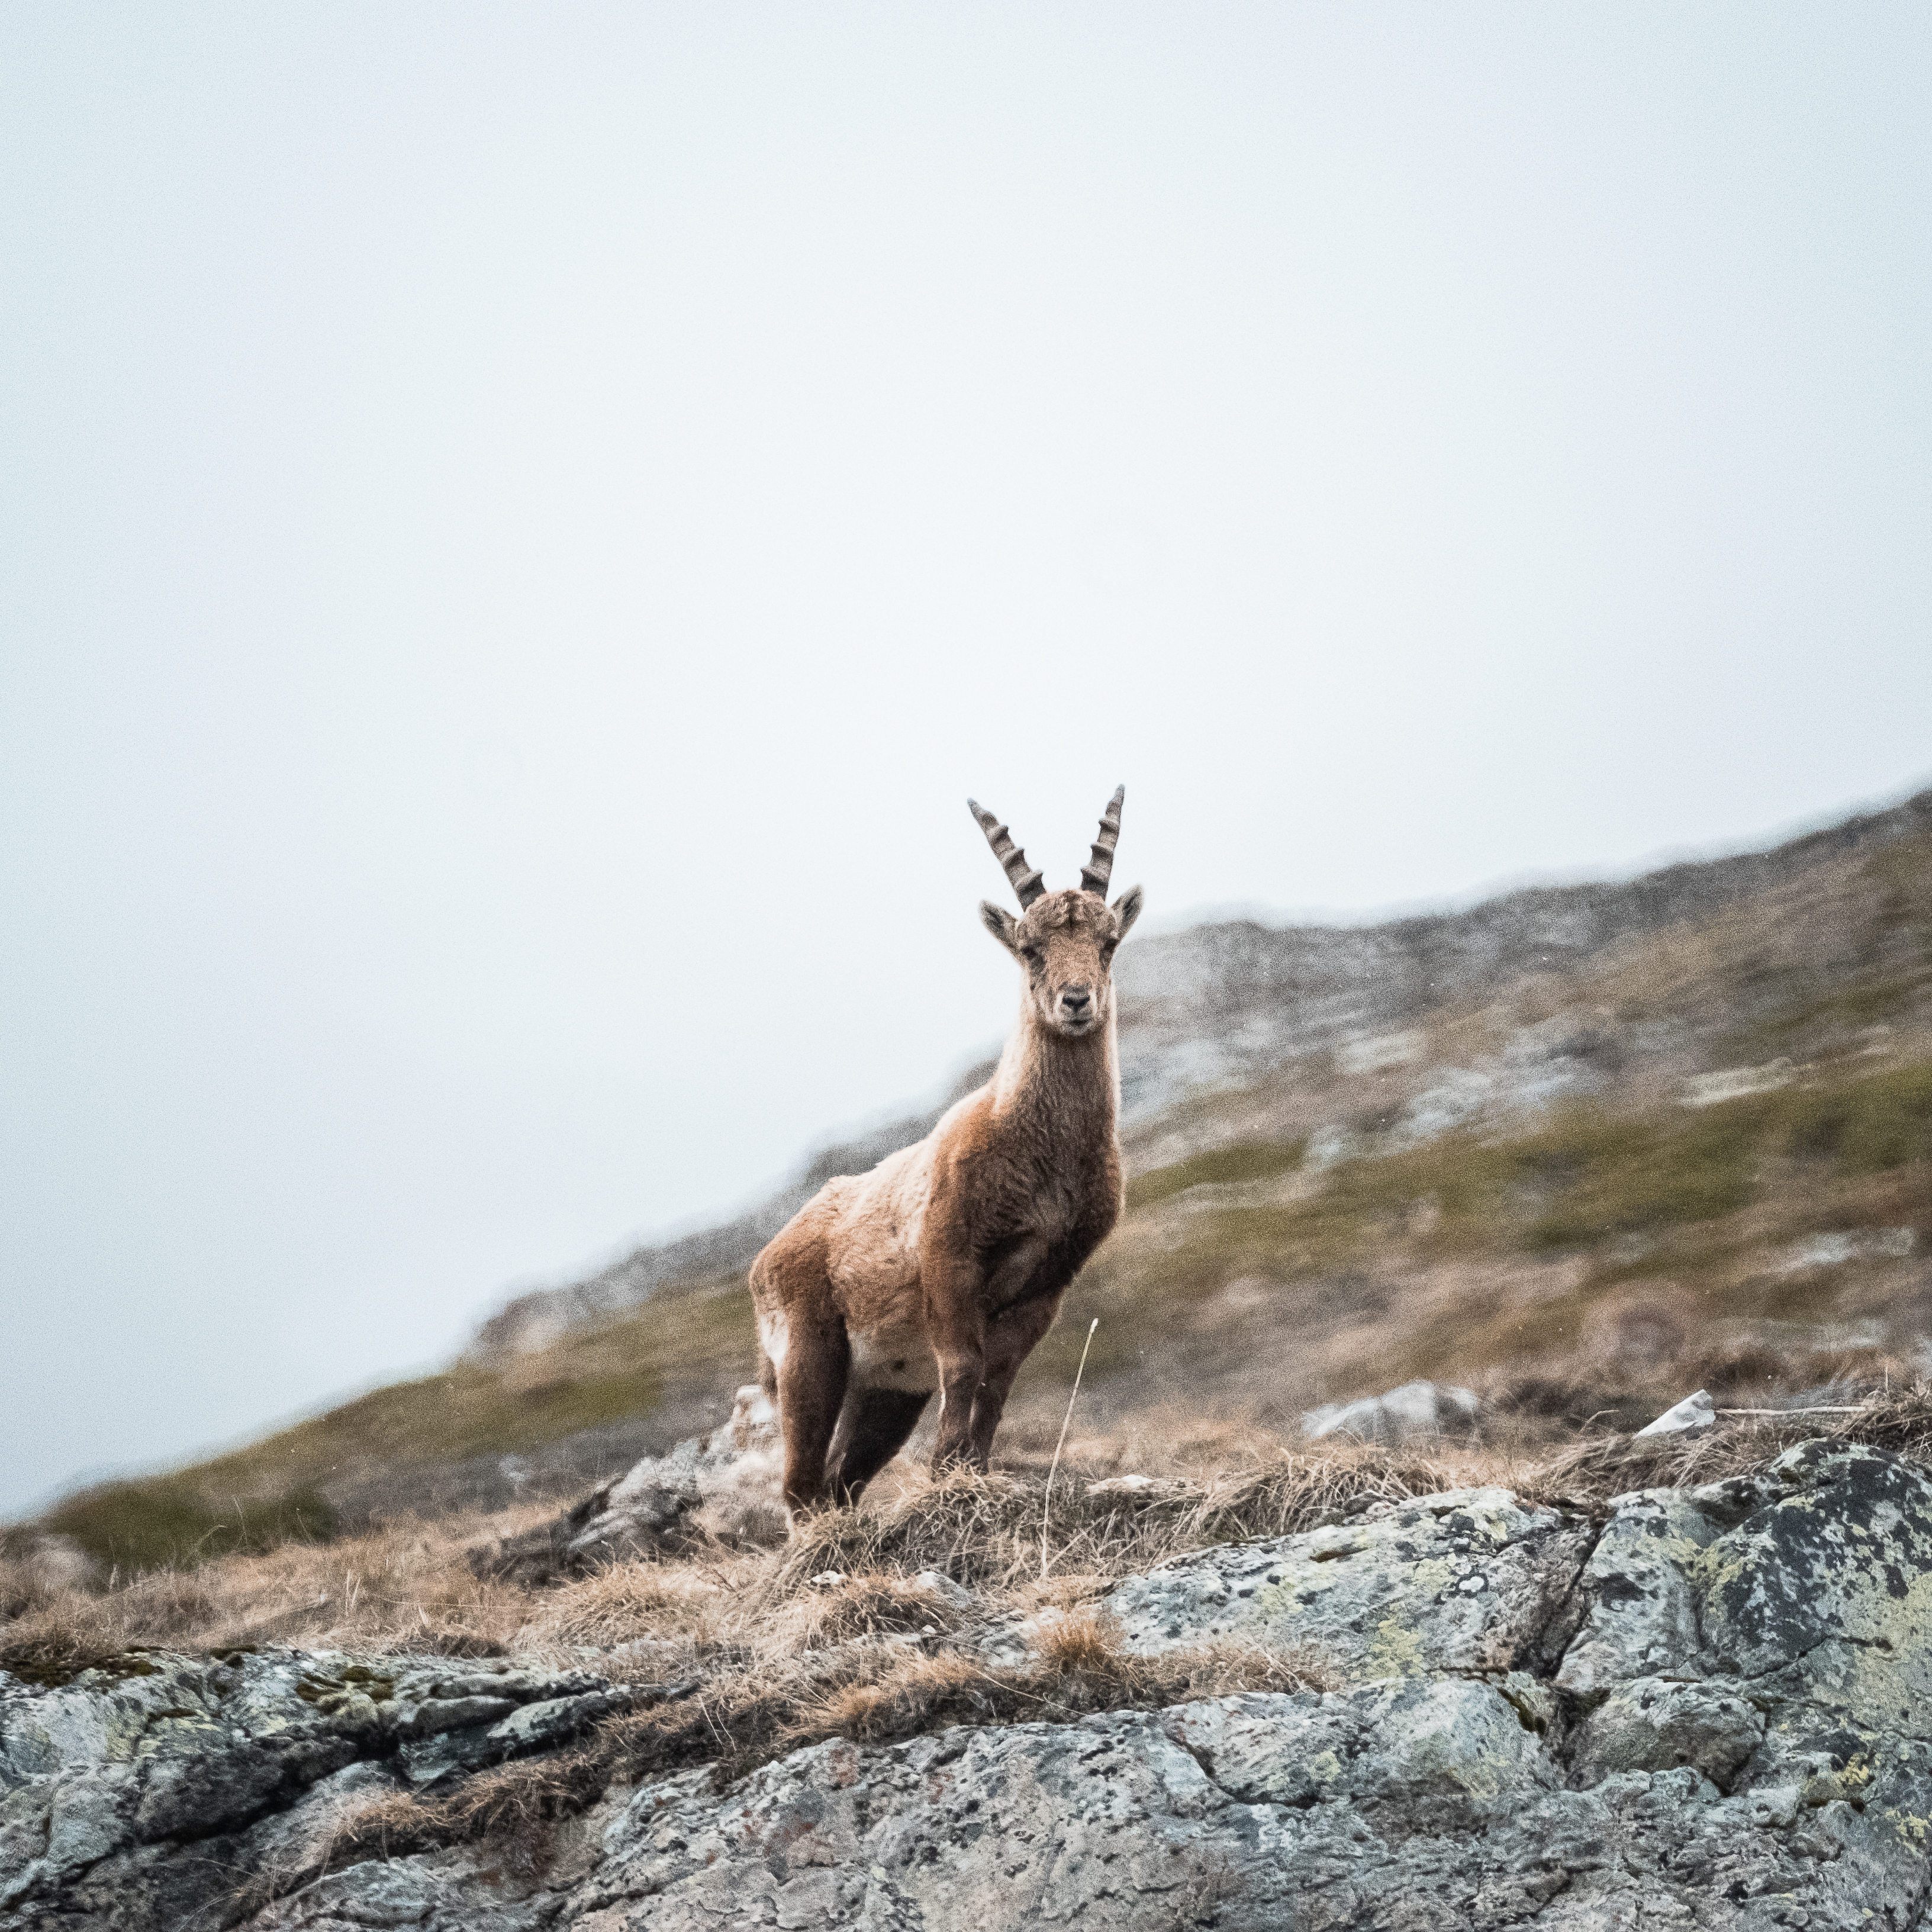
<point x="811" y="1377"/>
<point x="871" y="1432"/>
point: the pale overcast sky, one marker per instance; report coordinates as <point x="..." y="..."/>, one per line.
<point x="522" y="525"/>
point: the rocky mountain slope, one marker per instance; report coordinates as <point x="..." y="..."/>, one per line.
<point x="1696" y="1705"/>
<point x="1229" y="1006"/>
<point x="1580" y="1150"/>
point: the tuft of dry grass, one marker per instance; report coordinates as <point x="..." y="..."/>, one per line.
<point x="1283" y="1491"/>
<point x="514" y="1808"/>
<point x="71" y="1630"/>
<point x="876" y="1604"/>
<point x="981" y="1530"/>
<point x="1898" y="1421"/>
<point x="647" y="1600"/>
<point x="985" y="1531"/>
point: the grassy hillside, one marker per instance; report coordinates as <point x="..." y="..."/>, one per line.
<point x="387" y="1448"/>
<point x="1596" y="1231"/>
<point x="1611" y="1261"/>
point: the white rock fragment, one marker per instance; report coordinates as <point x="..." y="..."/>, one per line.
<point x="1415" y="1408"/>
<point x="1693" y="1412"/>
<point x="1733" y="1083"/>
<point x="942" y="1586"/>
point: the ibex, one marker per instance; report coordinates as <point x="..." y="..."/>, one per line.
<point x="944" y="1266"/>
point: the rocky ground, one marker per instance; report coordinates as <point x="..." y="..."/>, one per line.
<point x="1706" y="1705"/>
<point x="1513" y="1178"/>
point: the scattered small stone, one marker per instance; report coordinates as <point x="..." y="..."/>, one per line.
<point x="940" y="1585"/>
<point x="1693" y="1412"/>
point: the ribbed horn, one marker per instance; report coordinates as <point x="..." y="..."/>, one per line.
<point x="1093" y="876"/>
<point x="1027" y="884"/>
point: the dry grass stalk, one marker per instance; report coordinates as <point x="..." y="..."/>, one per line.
<point x="1066" y="1422"/>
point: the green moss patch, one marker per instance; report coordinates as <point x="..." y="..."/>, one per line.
<point x="1252" y="1160"/>
<point x="170" y="1522"/>
<point x="272" y="1492"/>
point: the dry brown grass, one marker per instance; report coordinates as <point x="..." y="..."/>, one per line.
<point x="1078" y="1666"/>
<point x="984" y="1531"/>
<point x="877" y="1604"/>
<point x="408" y="1588"/>
<point x="1899" y="1420"/>
<point x="403" y="1588"/>
<point x="684" y="1602"/>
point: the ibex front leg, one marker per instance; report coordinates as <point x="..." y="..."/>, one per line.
<point x="1010" y="1340"/>
<point x="965" y="1304"/>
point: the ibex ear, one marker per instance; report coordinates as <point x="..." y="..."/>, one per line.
<point x="1126" y="910"/>
<point x="1001" y="924"/>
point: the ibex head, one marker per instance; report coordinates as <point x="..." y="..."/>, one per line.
<point x="1064" y="940"/>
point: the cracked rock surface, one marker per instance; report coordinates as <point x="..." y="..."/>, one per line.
<point x="149" y="1793"/>
<point x="1714" y="1711"/>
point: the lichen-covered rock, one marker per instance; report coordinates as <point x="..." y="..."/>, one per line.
<point x="1201" y="1816"/>
<point x="1828" y="1581"/>
<point x="1653" y="1724"/>
<point x="148" y="1792"/>
<point x="1796" y="1605"/>
<point x="1642" y="1605"/>
<point x="1469" y="1580"/>
<point x="723" y="1487"/>
<point x="1394" y="1743"/>
<point x="1717" y="1717"/>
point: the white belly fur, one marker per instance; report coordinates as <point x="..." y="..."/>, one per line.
<point x="895" y="1356"/>
<point x="773" y="1335"/>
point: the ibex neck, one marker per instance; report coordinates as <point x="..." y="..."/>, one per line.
<point x="1067" y="1088"/>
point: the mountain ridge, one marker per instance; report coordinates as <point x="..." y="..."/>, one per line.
<point x="1224" y="1004"/>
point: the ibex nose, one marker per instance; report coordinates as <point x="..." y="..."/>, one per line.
<point x="1076" y="999"/>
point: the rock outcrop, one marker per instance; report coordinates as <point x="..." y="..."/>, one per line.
<point x="1713" y="1709"/>
<point x="160" y="1792"/>
<point x="722" y="1487"/>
